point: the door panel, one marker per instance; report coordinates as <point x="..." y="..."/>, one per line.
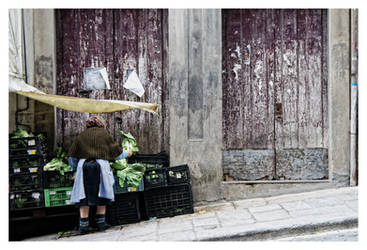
<point x="302" y="164"/>
<point x="299" y="141"/>
<point x="120" y="40"/>
<point x="248" y="164"/>
<point x="275" y="89"/>
<point x="234" y="88"/>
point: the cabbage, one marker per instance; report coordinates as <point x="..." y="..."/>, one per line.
<point x="132" y="174"/>
<point x="119" y="164"/>
<point x="19" y="133"/>
<point x="129" y="142"/>
<point x="59" y="163"/>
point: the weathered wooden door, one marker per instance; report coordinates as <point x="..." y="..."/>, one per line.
<point x="275" y="94"/>
<point x="119" y="40"/>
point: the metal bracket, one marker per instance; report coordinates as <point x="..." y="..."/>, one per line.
<point x="278" y="111"/>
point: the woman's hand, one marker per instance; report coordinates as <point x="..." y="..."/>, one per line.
<point x="129" y="153"/>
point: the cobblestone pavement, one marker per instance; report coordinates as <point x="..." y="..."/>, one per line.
<point x="251" y="219"/>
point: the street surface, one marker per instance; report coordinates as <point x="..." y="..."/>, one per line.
<point x="269" y="218"/>
<point x="337" y="235"/>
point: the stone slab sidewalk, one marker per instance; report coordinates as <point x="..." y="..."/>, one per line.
<point x="251" y="219"/>
<point x="336" y="235"/>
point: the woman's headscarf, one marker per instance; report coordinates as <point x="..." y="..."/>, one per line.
<point x="96" y="121"/>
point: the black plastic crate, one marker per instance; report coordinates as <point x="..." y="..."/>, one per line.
<point x="125" y="209"/>
<point x="25" y="181"/>
<point x="26" y="146"/>
<point x="154" y="178"/>
<point x="25" y="142"/>
<point x="27" y="164"/>
<point x="178" y="174"/>
<point x="161" y="159"/>
<point x="117" y="189"/>
<point x="169" y="201"/>
<point x="26" y="200"/>
<point x="53" y="179"/>
<point x="27" y="223"/>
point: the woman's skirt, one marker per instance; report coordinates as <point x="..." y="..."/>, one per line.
<point x="91" y="179"/>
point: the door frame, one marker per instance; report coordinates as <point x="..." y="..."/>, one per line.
<point x="338" y="166"/>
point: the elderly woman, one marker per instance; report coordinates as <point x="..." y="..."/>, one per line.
<point x="90" y="154"/>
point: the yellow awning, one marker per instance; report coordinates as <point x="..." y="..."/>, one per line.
<point x="77" y="104"/>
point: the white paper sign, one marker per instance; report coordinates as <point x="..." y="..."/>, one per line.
<point x="133" y="84"/>
<point x="96" y="78"/>
<point x="32" y="142"/>
<point x="36" y="195"/>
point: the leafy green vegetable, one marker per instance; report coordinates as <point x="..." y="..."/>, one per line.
<point x="151" y="219"/>
<point x="18" y="144"/>
<point x="15" y="164"/>
<point x="58" y="163"/>
<point x="19" y="201"/>
<point x="129" y="142"/>
<point x="129" y="173"/>
<point x="42" y="137"/>
<point x="119" y="164"/>
<point x="60" y="154"/>
<point x="133" y="174"/>
<point x="19" y="133"/>
<point x="154" y="177"/>
<point x="139" y="167"/>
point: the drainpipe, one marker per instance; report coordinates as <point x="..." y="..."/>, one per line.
<point x="17" y="123"/>
<point x="354" y="98"/>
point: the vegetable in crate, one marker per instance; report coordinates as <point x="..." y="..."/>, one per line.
<point x="58" y="163"/>
<point x="133" y="174"/>
<point x="154" y="176"/>
<point x="15" y="164"/>
<point x="19" y="201"/>
<point x="129" y="142"/>
<point x="119" y="164"/>
<point x="19" y="133"/>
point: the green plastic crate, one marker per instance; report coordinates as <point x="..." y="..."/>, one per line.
<point x="55" y="197"/>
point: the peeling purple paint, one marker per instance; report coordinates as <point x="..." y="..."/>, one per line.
<point x="118" y="39"/>
<point x="283" y="60"/>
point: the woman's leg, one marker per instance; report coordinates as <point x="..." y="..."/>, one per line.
<point x="101" y="209"/>
<point x="84" y="211"/>
<point x="84" y="221"/>
<point x="101" y="218"/>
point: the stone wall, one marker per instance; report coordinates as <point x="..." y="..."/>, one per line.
<point x="195" y="101"/>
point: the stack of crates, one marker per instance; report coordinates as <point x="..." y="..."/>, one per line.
<point x="155" y="175"/>
<point x="26" y="160"/>
<point x="57" y="188"/>
<point x="172" y="199"/>
<point x="126" y="207"/>
<point x="167" y="190"/>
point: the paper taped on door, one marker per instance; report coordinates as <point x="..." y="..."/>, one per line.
<point x="133" y="84"/>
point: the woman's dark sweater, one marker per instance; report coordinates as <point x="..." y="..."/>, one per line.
<point x="95" y="143"/>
